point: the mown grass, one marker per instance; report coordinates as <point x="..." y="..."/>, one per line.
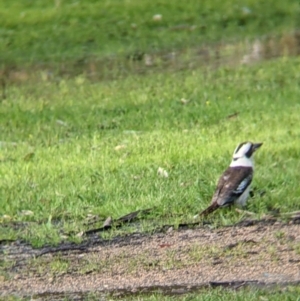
<point x="73" y="149"/>
<point x="287" y="294"/>
<point x="47" y="31"/>
<point x="291" y="293"/>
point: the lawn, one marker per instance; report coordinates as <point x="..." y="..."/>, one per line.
<point x="291" y="293"/>
<point x="113" y="106"/>
<point x="35" y="32"/>
<point x="224" y="295"/>
<point x="73" y="150"/>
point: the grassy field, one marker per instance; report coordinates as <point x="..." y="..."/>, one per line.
<point x="227" y="295"/>
<point x="288" y="294"/>
<point x="34" y="32"/>
<point x="72" y="150"/>
<point x="75" y="149"/>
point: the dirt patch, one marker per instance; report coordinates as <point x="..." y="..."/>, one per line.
<point x="267" y="253"/>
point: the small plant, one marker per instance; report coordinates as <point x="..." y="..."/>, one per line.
<point x="279" y="235"/>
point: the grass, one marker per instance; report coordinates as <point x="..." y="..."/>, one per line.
<point x="288" y="294"/>
<point x="64" y="159"/>
<point x="291" y="293"/>
<point x="35" y="32"/>
<point x="72" y="149"/>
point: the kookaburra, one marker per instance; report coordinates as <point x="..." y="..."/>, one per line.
<point x="234" y="185"/>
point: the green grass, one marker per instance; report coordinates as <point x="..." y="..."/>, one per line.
<point x="289" y="294"/>
<point x="58" y="146"/>
<point x="72" y="149"/>
<point x="67" y="30"/>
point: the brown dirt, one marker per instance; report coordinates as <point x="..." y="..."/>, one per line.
<point x="264" y="253"/>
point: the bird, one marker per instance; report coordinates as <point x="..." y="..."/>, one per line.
<point x="234" y="184"/>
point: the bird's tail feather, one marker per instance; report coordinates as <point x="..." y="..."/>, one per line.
<point x="210" y="209"/>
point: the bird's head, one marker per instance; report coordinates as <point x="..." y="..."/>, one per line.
<point x="244" y="151"/>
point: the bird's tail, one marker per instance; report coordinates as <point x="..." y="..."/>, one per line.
<point x="210" y="209"/>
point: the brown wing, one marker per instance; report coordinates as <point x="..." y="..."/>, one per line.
<point x="232" y="185"/>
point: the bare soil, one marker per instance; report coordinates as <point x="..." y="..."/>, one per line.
<point x="262" y="253"/>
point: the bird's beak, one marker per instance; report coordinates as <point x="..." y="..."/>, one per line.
<point x="257" y="146"/>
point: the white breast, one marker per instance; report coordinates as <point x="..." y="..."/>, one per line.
<point x="243" y="161"/>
